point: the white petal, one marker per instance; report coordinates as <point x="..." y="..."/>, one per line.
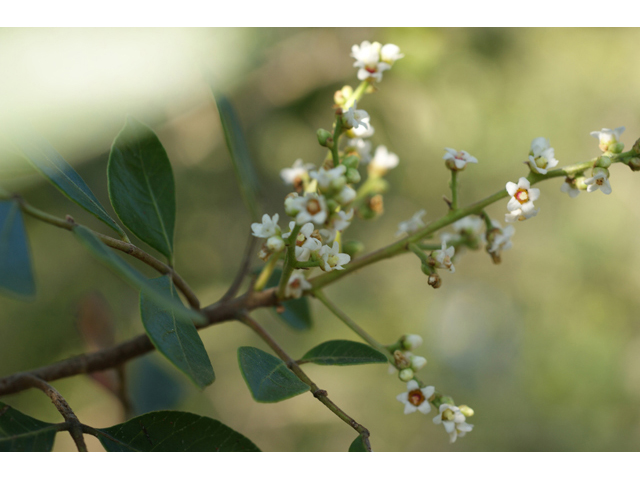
<point x="404" y="396"/>
<point x="513" y="204"/>
<point x="534" y="194"/>
<point x="524" y="183"/>
<point x="425" y="407"/>
<point x="412" y="385"/>
<point x="606" y="188"/>
<point x="449" y="426"/>
<point x="409" y="408"/>
<point x="512" y="188"/>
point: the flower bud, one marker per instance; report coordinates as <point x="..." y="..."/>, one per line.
<point x="417" y="363"/>
<point x="351" y="161"/>
<point x="352" y="247"/>
<point x="324" y="137"/>
<point x="402" y="359"/>
<point x="579" y="182"/>
<point x="466" y="411"/>
<point x="426" y="269"/>
<point x="405" y="375"/>
<point x="434" y="280"/>
<point x="634" y="164"/>
<point x="446" y="399"/>
<point x="332" y="205"/>
<point x="617" y="147"/>
<point x="411" y="342"/>
<point x="341" y="96"/>
<point x="603" y="161"/>
<point x="275" y="243"/>
<point x="636" y="146"/>
<point x="290" y="205"/>
<point x="597" y="170"/>
<point x="353" y="175"/>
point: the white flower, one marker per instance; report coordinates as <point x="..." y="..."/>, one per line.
<point x="353" y="118"/>
<point x="501" y="240"/>
<point x="311" y="208"/>
<point x="305" y="243"/>
<point x="390" y="53"/>
<point x="453" y="420"/>
<point x="470" y="225"/>
<point x="457" y="160"/>
<point x="367" y="57"/>
<point x="541" y="156"/>
<point x="297" y="285"/>
<point x="362" y="148"/>
<point x="608" y="137"/>
<point x="520" y="215"/>
<point x="443" y="257"/>
<point x="412" y="225"/>
<point x="330" y="179"/>
<point x="332" y="259"/>
<point x="346" y="195"/>
<point x="569" y="187"/>
<point x="298" y="170"/>
<point x="598" y="181"/>
<point x="342" y="220"/>
<point x="522" y="198"/>
<point x="383" y="160"/>
<point x="268" y="228"/>
<point x="364" y="130"/>
<point x="416" y="399"/>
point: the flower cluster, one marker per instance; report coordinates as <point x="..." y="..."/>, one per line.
<point x="372" y="59"/>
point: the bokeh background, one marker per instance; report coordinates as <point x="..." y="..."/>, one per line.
<point x="545" y="347"/>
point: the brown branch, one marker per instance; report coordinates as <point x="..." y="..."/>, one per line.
<point x="242" y="272"/>
<point x="74" y="426"/>
<point x="318" y="393"/>
<point x="117" y="355"/>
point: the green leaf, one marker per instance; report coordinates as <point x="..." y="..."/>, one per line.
<point x="49" y="163"/>
<point x="16" y="274"/>
<point x="242" y="163"/>
<point x="169" y="431"/>
<point x="141" y="186"/>
<point x="175" y="336"/>
<point x="296" y="312"/>
<point x="267" y="377"/>
<point x="358" y="445"/>
<point x="130" y="275"/>
<point x="21" y="433"/>
<point x="343" y="352"/>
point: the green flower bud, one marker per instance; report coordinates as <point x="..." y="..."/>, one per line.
<point x="353" y="175"/>
<point x="466" y="411"/>
<point x="616" y="147"/>
<point x="332" y="205"/>
<point x="446" y="399"/>
<point x="603" y="161"/>
<point x="405" y="375"/>
<point x="426" y="269"/>
<point x="597" y="170"/>
<point x="636" y="147"/>
<point x="579" y="182"/>
<point x="634" y="164"/>
<point x="411" y="342"/>
<point x="352" y="247"/>
<point x="351" y="161"/>
<point x="325" y="138"/>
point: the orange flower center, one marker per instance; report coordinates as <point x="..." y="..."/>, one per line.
<point x="416" y="397"/>
<point x="313" y="206"/>
<point x="522" y="195"/>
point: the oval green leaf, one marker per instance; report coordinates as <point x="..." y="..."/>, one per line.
<point x="141" y="186"/>
<point x="22" y="433"/>
<point x="358" y="445"/>
<point x="16" y="274"/>
<point x="130" y="275"/>
<point x="242" y="163"/>
<point x="343" y="352"/>
<point x="50" y="163"/>
<point x="175" y="336"/>
<point x="168" y="431"/>
<point x="295" y="312"/>
<point x="267" y="377"/>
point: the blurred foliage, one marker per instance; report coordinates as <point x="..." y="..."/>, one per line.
<point x="544" y="347"/>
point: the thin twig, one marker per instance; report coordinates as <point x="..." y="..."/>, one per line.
<point x="317" y="392"/>
<point x="74" y="425"/>
<point x="242" y="272"/>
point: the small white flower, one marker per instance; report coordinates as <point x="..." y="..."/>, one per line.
<point x="443" y="257"/>
<point x="311" y="208"/>
<point x="541" y="156"/>
<point x="353" y="118"/>
<point x="598" y="181"/>
<point x="390" y="53"/>
<point x="522" y="197"/>
<point x="412" y="225"/>
<point x="275" y="243"/>
<point x="364" y="130"/>
<point x="367" y="57"/>
<point x="502" y="239"/>
<point x="471" y="225"/>
<point x="457" y="160"/>
<point x="416" y="399"/>
<point x="332" y="259"/>
<point x="297" y="285"/>
<point x="569" y="187"/>
<point x="330" y="179"/>
<point x="305" y="243"/>
<point x="296" y="173"/>
<point x="268" y="228"/>
<point x="362" y="148"/>
<point x="453" y="420"/>
<point x="520" y="215"/>
<point x="342" y="220"/>
<point x="383" y="161"/>
<point x="346" y="195"/>
<point x="608" y="137"/>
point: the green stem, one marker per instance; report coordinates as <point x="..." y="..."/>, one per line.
<point x="337" y="131"/>
<point x="487" y="220"/>
<point x="320" y="394"/>
<point x="420" y="253"/>
<point x="401" y="246"/>
<point x="454" y="189"/>
<point x="353" y="325"/>
<point x="308" y="264"/>
<point x="356" y="95"/>
<point x="266" y="272"/>
<point x="289" y="261"/>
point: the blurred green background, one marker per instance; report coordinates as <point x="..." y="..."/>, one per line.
<point x="545" y="347"/>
